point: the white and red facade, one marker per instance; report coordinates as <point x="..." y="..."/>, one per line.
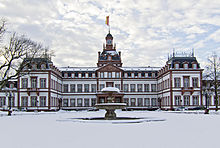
<point x="47" y="87"/>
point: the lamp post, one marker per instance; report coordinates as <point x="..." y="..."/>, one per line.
<point x="207" y="94"/>
<point x="10" y="95"/>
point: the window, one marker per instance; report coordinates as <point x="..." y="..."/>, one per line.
<point x="42" y="83"/>
<point x="146" y="88"/>
<point x="101" y="75"/>
<point x="126" y="88"/>
<point x="79" y="102"/>
<point x="2" y="101"/>
<point x="194" y="66"/>
<point x="176" y="66"/>
<point x="125" y="75"/>
<point x="177" y="100"/>
<point x="72" y="102"/>
<point x="185" y="66"/>
<point x="43" y="101"/>
<point x="93" y="101"/>
<point x="79" y="87"/>
<point x="86" y="87"/>
<point x="113" y="74"/>
<point x="139" y="75"/>
<point x="43" y="66"/>
<point x="80" y="75"/>
<point x="65" y="103"/>
<point x="12" y="103"/>
<point x="153" y="87"/>
<point x="140" y="102"/>
<point x="65" y="75"/>
<point x="117" y="75"/>
<point x="24" y="83"/>
<point x="105" y="75"/>
<point x="93" y="87"/>
<point x="154" y="101"/>
<point x="195" y="100"/>
<point x="186" y="100"/>
<point x="153" y="75"/>
<point x="93" y="75"/>
<point x="24" y="101"/>
<point x="34" y="101"/>
<point x="186" y="82"/>
<point x="117" y="86"/>
<point x="146" y="75"/>
<point x="132" y="87"/>
<point x="65" y="88"/>
<point x="33" y="82"/>
<point x="146" y="101"/>
<point x="195" y="82"/>
<point x="133" y="102"/>
<point x="125" y="100"/>
<point x="132" y="75"/>
<point x="102" y="86"/>
<point x="109" y="74"/>
<point x="86" y="102"/>
<point x="139" y="87"/>
<point x="34" y="66"/>
<point x="177" y="82"/>
<point x="72" y="88"/>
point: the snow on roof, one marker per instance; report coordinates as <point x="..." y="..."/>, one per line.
<point x="141" y="68"/>
<point x="110" y="89"/>
<point x="78" y="68"/>
<point x="96" y="68"/>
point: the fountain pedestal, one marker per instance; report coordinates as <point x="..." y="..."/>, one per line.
<point x="110" y="114"/>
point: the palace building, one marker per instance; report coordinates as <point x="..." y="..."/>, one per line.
<point x="47" y="87"/>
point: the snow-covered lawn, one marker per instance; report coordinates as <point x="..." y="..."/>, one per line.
<point x="57" y="130"/>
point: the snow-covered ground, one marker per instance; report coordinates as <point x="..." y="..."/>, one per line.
<point x="58" y="130"/>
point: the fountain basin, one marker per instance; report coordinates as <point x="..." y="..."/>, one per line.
<point x="110" y="109"/>
<point x="110" y="105"/>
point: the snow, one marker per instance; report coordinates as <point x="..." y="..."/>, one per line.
<point x="110" y="89"/>
<point x="141" y="68"/>
<point x="77" y="68"/>
<point x="57" y="130"/>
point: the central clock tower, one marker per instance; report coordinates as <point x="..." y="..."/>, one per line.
<point x="109" y="55"/>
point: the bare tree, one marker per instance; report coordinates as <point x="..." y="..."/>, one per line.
<point x="2" y="28"/>
<point x="212" y="74"/>
<point x="12" y="57"/>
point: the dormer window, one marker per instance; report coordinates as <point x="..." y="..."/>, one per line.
<point x="176" y="66"/>
<point x="34" y="66"/>
<point x="194" y="66"/>
<point x="43" y="66"/>
<point x="65" y="75"/>
<point x="185" y="65"/>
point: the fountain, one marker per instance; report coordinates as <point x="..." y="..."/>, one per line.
<point x="110" y="106"/>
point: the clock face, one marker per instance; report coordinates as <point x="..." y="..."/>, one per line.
<point x="109" y="42"/>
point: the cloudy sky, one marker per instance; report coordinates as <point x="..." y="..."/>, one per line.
<point x="145" y="31"/>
